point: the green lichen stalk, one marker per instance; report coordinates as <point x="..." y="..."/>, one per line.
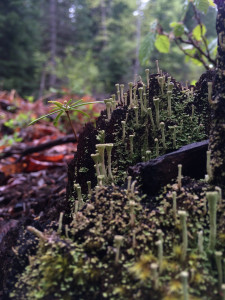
<point x="212" y="198"/>
<point x="109" y="155"/>
<point x="184" y="279"/>
<point x="218" y="258"/>
<point x="162" y="127"/>
<point x="183" y="220"/>
<point x="160" y="254"/>
<point x="156" y="103"/>
<point x="101" y="151"/>
<point x="147" y="77"/>
<point x="169" y="96"/>
<point x="136" y="115"/>
<point x="155" y="275"/>
<point x="118" y="240"/>
<point x="174" y="194"/>
<point x="200" y="242"/>
<point x="121" y="93"/>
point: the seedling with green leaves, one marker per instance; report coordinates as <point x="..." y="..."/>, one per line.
<point x="64" y="108"/>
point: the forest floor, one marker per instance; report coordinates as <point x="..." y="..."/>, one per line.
<point x="33" y="171"/>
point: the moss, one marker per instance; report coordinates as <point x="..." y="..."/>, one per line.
<point x="83" y="262"/>
<point x="83" y="266"/>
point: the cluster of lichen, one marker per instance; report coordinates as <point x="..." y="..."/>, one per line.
<point x="150" y="120"/>
<point x="116" y="249"/>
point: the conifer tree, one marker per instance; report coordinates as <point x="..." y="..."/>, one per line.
<point x="19" y="41"/>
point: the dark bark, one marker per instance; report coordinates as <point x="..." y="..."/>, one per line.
<point x="217" y="135"/>
<point x="156" y="173"/>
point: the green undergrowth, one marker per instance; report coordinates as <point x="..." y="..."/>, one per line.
<point x="111" y="249"/>
<point x="115" y="248"/>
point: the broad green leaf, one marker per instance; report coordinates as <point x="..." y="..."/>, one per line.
<point x="202" y="5"/>
<point x="198" y="32"/>
<point x="215" y="51"/>
<point x="178" y="29"/>
<point x="146" y="48"/>
<point x="190" y="51"/>
<point x="173" y="24"/>
<point x="211" y="3"/>
<point x="193" y="52"/>
<point x="162" y="43"/>
<point x="196" y="62"/>
<point x="42" y="117"/>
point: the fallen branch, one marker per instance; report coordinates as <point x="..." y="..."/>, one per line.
<point x="33" y="149"/>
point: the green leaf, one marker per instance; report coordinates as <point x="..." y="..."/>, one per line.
<point x="57" y="103"/>
<point x="42" y="117"/>
<point x="84" y="103"/>
<point x="198" y="32"/>
<point x="146" y="48"/>
<point x="197" y="62"/>
<point x="178" y="28"/>
<point x="162" y="43"/>
<point x="76" y="102"/>
<point x="173" y="24"/>
<point x="211" y="3"/>
<point x="68" y="102"/>
<point x="202" y="5"/>
<point x="81" y="111"/>
<point x="189" y="50"/>
<point x="55" y="122"/>
<point x="193" y="82"/>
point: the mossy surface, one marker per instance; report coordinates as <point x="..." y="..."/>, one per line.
<point x="189" y="122"/>
<point x="81" y="262"/>
<point x="109" y="249"/>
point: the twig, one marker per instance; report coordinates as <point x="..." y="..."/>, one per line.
<point x="33" y="149"/>
<point x="197" y="17"/>
<point x="191" y="56"/>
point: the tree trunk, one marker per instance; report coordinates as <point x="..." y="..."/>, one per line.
<point x="103" y="23"/>
<point x="138" y="39"/>
<point x="217" y="135"/>
<point x="52" y="78"/>
<point x="42" y="83"/>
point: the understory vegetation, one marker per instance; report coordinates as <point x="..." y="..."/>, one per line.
<point x="115" y="247"/>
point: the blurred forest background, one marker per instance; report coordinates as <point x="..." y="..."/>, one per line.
<point x="86" y="46"/>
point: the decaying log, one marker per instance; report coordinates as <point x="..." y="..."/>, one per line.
<point x="158" y="172"/>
